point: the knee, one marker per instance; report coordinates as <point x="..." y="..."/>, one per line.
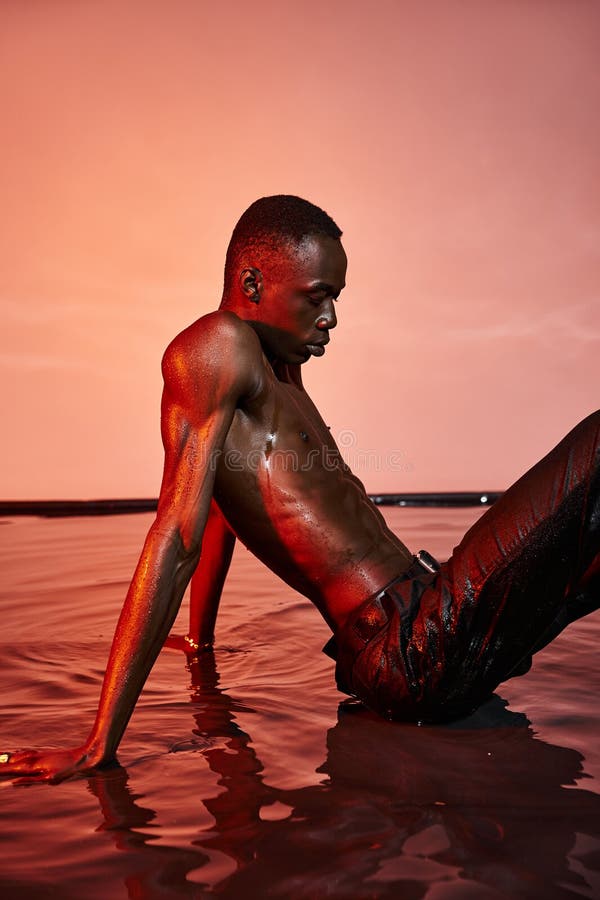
<point x="593" y="417"/>
<point x="589" y="428"/>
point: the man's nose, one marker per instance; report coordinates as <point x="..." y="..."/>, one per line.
<point x="328" y="318"/>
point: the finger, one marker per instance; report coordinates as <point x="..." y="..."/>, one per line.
<point x="175" y="642"/>
<point x="5" y="784"/>
<point x="59" y="777"/>
<point x="19" y="761"/>
<point x="28" y="779"/>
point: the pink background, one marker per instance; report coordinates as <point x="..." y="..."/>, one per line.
<point x="457" y="143"/>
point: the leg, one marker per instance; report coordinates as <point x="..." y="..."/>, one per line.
<point x="530" y="565"/>
<point x="435" y="647"/>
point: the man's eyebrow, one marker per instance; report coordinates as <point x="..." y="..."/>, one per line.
<point x="325" y="287"/>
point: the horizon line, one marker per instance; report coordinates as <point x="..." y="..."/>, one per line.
<point x="111" y="507"/>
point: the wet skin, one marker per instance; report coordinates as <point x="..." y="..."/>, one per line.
<point x="284" y="490"/>
<point x="248" y="455"/>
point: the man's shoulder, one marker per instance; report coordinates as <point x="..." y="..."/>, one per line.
<point x="217" y="338"/>
<point x="217" y="341"/>
<point x="221" y="327"/>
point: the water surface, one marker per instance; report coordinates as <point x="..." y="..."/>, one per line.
<point x="248" y="776"/>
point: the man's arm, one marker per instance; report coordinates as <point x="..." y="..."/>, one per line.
<point x="207" y="370"/>
<point x="218" y="542"/>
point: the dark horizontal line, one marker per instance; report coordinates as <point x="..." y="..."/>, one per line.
<point x="59" y="508"/>
<point x="440" y="498"/>
<point x="62" y="508"/>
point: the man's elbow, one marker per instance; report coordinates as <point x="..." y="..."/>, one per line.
<point x="184" y="545"/>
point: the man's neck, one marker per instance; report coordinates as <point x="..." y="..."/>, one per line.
<point x="288" y="373"/>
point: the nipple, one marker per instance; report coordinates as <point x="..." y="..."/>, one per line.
<point x="304" y="435"/>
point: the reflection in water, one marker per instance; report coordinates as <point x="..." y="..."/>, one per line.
<point x="480" y="809"/>
<point x="149" y="871"/>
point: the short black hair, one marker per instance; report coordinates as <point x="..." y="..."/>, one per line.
<point x="272" y="222"/>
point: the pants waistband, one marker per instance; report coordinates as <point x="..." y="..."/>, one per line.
<point x="372" y="615"/>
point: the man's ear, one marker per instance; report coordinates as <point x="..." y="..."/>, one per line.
<point x="251" y="283"/>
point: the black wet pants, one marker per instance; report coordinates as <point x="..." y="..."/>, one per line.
<point x="434" y="646"/>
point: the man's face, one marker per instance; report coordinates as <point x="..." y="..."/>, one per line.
<point x="296" y="308"/>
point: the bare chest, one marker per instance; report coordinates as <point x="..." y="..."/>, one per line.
<point x="280" y="430"/>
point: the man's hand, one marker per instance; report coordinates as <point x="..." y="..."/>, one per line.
<point x="185" y="643"/>
<point x="53" y="766"/>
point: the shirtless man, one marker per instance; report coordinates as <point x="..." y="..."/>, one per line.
<point x="247" y="455"/>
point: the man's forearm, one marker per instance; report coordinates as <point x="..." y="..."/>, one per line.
<point x="148" y="613"/>
<point x="207" y="585"/>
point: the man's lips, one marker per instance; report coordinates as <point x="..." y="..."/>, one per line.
<point x="317" y="349"/>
